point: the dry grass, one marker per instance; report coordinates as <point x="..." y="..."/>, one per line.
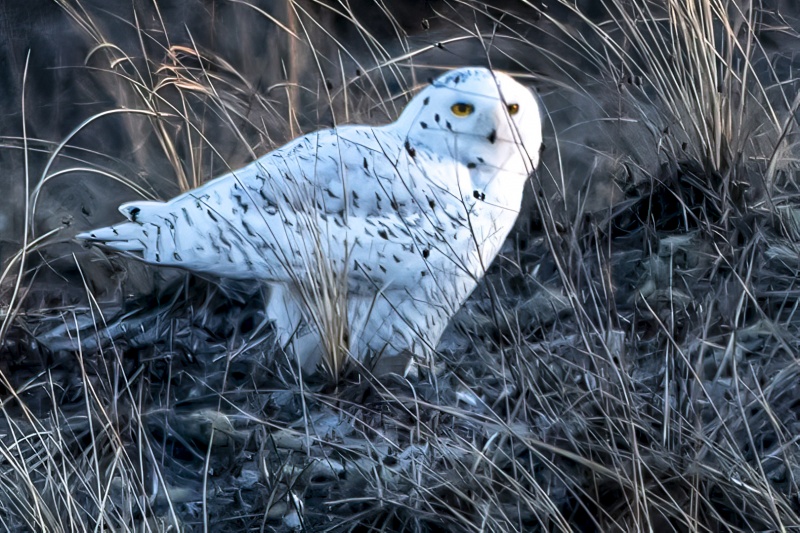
<point x="630" y="365"/>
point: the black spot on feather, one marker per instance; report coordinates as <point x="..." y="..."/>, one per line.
<point x="383" y="234"/>
<point x="241" y="202"/>
<point x="248" y="229"/>
<point x="492" y="136"/>
<point x="134" y="212"/>
<point x="479" y="195"/>
<point x="410" y="149"/>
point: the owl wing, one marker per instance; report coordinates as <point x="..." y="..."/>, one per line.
<point x="358" y="196"/>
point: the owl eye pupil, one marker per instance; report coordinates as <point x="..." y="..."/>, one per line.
<point x="462" y="109"/>
<point x="513" y="109"/>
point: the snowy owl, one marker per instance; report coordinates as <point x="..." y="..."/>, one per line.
<point x="408" y="215"/>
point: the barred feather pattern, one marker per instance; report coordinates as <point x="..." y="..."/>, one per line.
<point x="411" y="213"/>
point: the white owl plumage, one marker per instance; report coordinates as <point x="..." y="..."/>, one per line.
<point x="411" y="213"/>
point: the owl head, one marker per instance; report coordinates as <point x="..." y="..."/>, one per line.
<point x="481" y="118"/>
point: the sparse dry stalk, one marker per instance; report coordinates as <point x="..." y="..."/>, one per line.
<point x="694" y="59"/>
<point x="324" y="293"/>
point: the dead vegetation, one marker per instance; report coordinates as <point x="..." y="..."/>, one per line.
<point x="629" y="364"/>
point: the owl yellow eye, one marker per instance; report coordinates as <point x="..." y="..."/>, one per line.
<point x="513" y="109"/>
<point x="462" y="110"/>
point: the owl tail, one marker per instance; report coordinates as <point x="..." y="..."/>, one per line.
<point x="145" y="237"/>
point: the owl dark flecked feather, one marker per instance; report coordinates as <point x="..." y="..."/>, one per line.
<point x="412" y="213"/>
